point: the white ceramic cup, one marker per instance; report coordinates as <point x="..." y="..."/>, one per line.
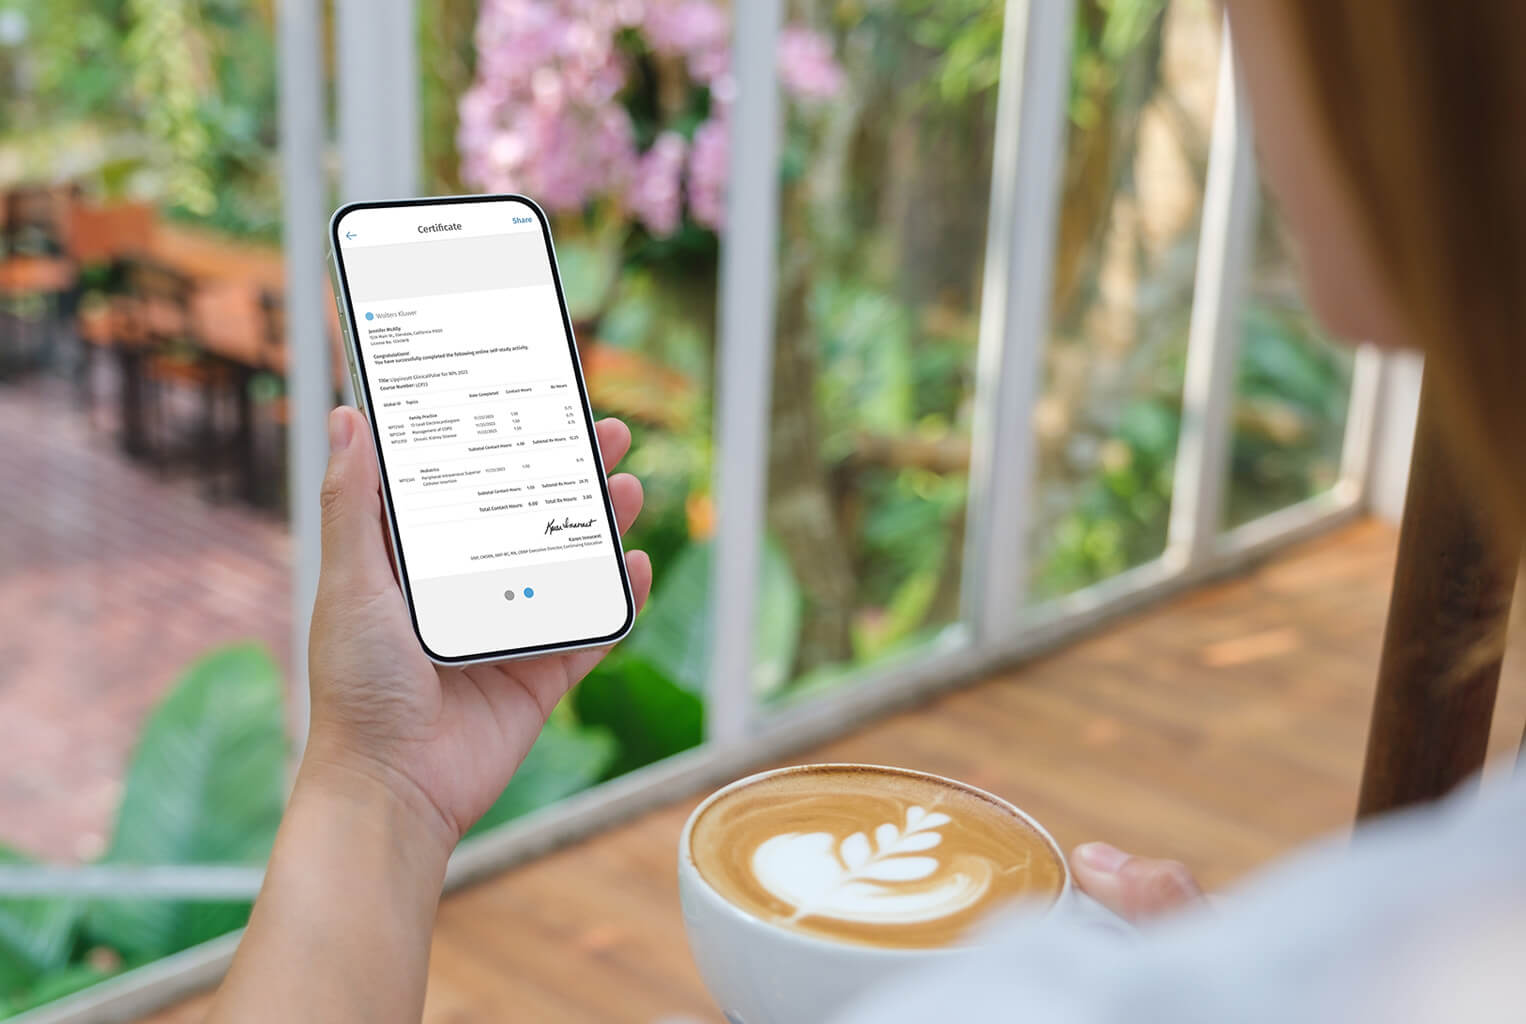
<point x="764" y="973"/>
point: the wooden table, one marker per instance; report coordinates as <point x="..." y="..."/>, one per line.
<point x="230" y="323"/>
<point x="231" y="276"/>
<point x="211" y="256"/>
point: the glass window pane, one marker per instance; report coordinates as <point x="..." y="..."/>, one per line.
<point x="144" y="551"/>
<point x="1292" y="387"/>
<point x="620" y="134"/>
<point x="890" y="114"/>
<point x="1141" y="113"/>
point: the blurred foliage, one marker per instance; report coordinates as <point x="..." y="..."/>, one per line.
<point x="206" y="785"/>
<point x="1290" y="416"/>
<point x="447" y="60"/>
<point x="651" y="714"/>
<point x="1108" y="34"/>
<point x="37" y="938"/>
<point x="71" y="67"/>
<point x="674" y="633"/>
<point x="173" y="99"/>
<point x="1291" y="388"/>
<point x="967" y="36"/>
<point x="1120" y="516"/>
<point x="566" y="758"/>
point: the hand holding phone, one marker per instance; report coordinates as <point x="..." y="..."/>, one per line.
<point x="441" y="741"/>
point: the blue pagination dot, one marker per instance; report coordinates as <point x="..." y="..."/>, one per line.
<point x="370" y="316"/>
<point x="529" y="591"/>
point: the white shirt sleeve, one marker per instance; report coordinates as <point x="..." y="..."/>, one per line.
<point x="1420" y="918"/>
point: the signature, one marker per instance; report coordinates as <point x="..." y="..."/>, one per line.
<point x="554" y="527"/>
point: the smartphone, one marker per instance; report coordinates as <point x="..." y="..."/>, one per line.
<point x="463" y="360"/>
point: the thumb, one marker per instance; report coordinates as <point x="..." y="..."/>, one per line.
<point x="354" y="547"/>
<point x="1134" y="888"/>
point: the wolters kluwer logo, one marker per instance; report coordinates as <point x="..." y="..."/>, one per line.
<point x="553" y="527"/>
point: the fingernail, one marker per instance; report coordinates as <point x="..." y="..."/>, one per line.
<point x="1102" y="857"/>
<point x="340" y="430"/>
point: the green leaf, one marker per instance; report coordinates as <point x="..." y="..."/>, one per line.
<point x="36" y="935"/>
<point x="564" y="760"/>
<point x="673" y="636"/>
<point x="55" y="984"/>
<point x="206" y="786"/>
<point x="1150" y="428"/>
<point x="587" y="267"/>
<point x="867" y="377"/>
<point x="647" y="711"/>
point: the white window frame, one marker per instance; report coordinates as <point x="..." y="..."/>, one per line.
<point x="998" y="626"/>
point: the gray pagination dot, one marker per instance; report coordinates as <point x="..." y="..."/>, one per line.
<point x="508" y="595"/>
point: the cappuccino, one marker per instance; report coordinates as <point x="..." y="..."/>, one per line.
<point x="871" y="856"/>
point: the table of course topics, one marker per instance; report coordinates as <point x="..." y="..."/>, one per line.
<point x="483" y="432"/>
<point x="507" y="451"/>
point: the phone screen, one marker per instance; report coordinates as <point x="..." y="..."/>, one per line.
<point x="504" y="531"/>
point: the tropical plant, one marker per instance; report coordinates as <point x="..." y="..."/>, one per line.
<point x="565" y="759"/>
<point x="207" y="779"/>
<point x="205" y="785"/>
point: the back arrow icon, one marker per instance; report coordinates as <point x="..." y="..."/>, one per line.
<point x="349" y="234"/>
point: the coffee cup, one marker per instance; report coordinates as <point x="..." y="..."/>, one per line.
<point x="806" y="887"/>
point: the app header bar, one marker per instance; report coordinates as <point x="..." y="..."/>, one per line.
<point x="434" y="222"/>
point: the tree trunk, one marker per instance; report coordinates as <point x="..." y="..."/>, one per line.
<point x="1098" y="159"/>
<point x="800" y="510"/>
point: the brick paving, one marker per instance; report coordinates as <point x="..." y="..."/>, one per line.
<point x="113" y="578"/>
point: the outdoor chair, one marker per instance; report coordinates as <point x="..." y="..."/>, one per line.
<point x="37" y="278"/>
<point x="98" y="240"/>
<point x="180" y="401"/>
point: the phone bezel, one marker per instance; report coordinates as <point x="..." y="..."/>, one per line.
<point x="363" y="396"/>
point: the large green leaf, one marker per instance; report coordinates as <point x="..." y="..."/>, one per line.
<point x="1283" y="358"/>
<point x="206" y="786"/>
<point x="564" y="760"/>
<point x="650" y="714"/>
<point x="673" y="636"/>
<point x="57" y="983"/>
<point x="36" y="935"/>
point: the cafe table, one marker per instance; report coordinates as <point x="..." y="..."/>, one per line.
<point x="231" y="324"/>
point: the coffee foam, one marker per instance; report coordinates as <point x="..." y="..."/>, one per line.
<point x="871" y="855"/>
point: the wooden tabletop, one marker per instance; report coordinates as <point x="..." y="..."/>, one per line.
<point x="1221" y="728"/>
<point x="34" y="274"/>
<point x="231" y="276"/>
<point x="209" y="256"/>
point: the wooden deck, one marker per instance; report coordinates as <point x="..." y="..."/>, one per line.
<point x="1220" y="728"/>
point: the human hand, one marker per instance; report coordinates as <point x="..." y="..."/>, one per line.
<point x="444" y="741"/>
<point x="1134" y="888"/>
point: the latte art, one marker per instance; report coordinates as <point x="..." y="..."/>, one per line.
<point x="888" y="880"/>
<point x="871" y="855"/>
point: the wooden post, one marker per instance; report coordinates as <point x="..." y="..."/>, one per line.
<point x="1445" y="635"/>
